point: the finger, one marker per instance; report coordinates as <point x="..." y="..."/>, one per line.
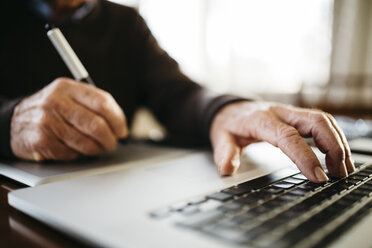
<point x="264" y="125"/>
<point x="47" y="146"/>
<point x="226" y="152"/>
<point x="71" y="137"/>
<point x="103" y="104"/>
<point x="56" y="151"/>
<point x="349" y="163"/>
<point x="89" y="123"/>
<point x="35" y="141"/>
<point x="243" y="142"/>
<point x="294" y="146"/>
<point x="325" y="136"/>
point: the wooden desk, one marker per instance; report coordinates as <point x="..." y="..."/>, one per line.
<point x="20" y="230"/>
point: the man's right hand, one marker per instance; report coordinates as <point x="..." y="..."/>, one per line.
<point x="66" y="119"/>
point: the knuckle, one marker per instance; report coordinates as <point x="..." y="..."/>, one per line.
<point x="60" y="82"/>
<point x="105" y="102"/>
<point x="287" y="132"/>
<point x="107" y="95"/>
<point x="261" y="113"/>
<point x="262" y="118"/>
<point x="41" y="141"/>
<point x="321" y="118"/>
<point x="91" y="148"/>
<point x="50" y="102"/>
<point x="44" y="121"/>
<point x="112" y="145"/>
<point x="97" y="126"/>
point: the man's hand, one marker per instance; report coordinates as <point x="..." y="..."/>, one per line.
<point x="66" y="119"/>
<point x="239" y="124"/>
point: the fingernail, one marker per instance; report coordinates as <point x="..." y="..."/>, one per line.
<point x="351" y="166"/>
<point x="220" y="165"/>
<point x="124" y="133"/>
<point x="320" y="175"/>
<point x="235" y="162"/>
<point x="343" y="170"/>
<point x="36" y="156"/>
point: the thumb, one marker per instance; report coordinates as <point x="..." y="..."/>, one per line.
<point x="226" y="152"/>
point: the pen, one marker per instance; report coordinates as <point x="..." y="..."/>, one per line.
<point x="68" y="55"/>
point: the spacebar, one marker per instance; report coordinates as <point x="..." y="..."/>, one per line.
<point x="268" y="179"/>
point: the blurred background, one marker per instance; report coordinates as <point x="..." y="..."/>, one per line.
<point x="314" y="53"/>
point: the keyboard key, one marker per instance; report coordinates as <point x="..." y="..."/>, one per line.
<point x="178" y="206"/>
<point x="248" y="200"/>
<point x="361" y="192"/>
<point x="261" y="195"/>
<point x="287" y="197"/>
<point x="352" y="181"/>
<point x="369" y="182"/>
<point x="345" y="183"/>
<point x="264" y="181"/>
<point x="273" y="223"/>
<point x="255" y="232"/>
<point x="259" y="210"/>
<point x="357" y="177"/>
<point x="313" y="201"/>
<point x="312" y="186"/>
<point x="327" y="193"/>
<point x="220" y="196"/>
<point x="366" y="187"/>
<point x="201" y="218"/>
<point x="276" y="203"/>
<point x="293" y="180"/>
<point x="246" y="185"/>
<point x="243" y="218"/>
<point x="232" y="234"/>
<point x="290" y="214"/>
<point x="358" y="164"/>
<point x="291" y="238"/>
<point x="230" y="207"/>
<point x="283" y="185"/>
<point x="236" y="190"/>
<point x="300" y="208"/>
<point x="305" y="188"/>
<point x="190" y="210"/>
<point x="364" y="173"/>
<point x="351" y="198"/>
<point x="273" y="190"/>
<point x="342" y="203"/>
<point x="300" y="176"/>
<point x="197" y="200"/>
<point x="298" y="192"/>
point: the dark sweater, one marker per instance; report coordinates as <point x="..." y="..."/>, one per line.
<point x="121" y="55"/>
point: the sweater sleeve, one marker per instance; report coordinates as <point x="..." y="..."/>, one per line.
<point x="184" y="107"/>
<point x="6" y="113"/>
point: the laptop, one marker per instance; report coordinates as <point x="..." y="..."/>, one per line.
<point x="183" y="202"/>
<point x="129" y="153"/>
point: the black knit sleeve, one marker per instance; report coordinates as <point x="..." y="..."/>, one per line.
<point x="6" y="113"/>
<point x="183" y="106"/>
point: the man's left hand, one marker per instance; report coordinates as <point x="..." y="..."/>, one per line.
<point x="239" y="124"/>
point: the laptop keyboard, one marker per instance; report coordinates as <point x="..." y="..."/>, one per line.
<point x="278" y="210"/>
